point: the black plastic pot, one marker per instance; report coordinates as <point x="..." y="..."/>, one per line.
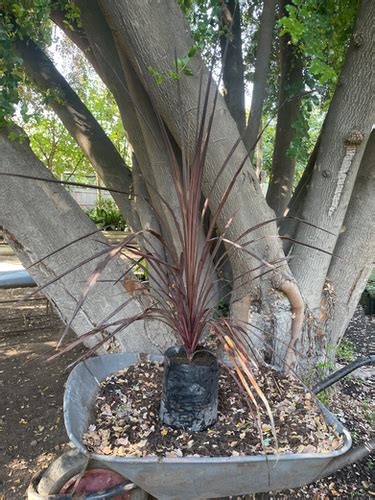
<point x="190" y="390"/>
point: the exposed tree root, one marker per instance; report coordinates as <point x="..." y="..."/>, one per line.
<point x="291" y="290"/>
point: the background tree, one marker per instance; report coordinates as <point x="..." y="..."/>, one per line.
<point x="298" y="306"/>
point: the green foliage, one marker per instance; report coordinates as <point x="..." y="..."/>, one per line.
<point x="15" y="136"/>
<point x="345" y="351"/>
<point x="181" y="68"/>
<point x="72" y="14"/>
<point x="322" y="31"/>
<point x="203" y="17"/>
<point x="307" y="127"/>
<point x="107" y="217"/>
<point x="222" y="309"/>
<point x="324" y="398"/>
<point x="18" y="20"/>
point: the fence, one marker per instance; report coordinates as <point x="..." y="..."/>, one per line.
<point x="88" y="197"/>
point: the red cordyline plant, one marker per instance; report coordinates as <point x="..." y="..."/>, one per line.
<point x="184" y="288"/>
<point x="183" y="285"/>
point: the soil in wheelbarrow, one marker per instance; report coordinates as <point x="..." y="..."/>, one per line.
<point x="127" y="421"/>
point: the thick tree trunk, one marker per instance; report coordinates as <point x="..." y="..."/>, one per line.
<point x="355" y="246"/>
<point x="232" y="60"/>
<point x="291" y="84"/>
<point x="347" y="126"/>
<point x="157" y="177"/>
<point x="140" y="121"/>
<point x="262" y="63"/>
<point x="288" y="226"/>
<point x="80" y="123"/>
<point x="41" y="218"/>
<point x="147" y="216"/>
<point x="136" y="30"/>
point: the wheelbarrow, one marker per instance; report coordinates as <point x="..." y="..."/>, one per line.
<point x="201" y="477"/>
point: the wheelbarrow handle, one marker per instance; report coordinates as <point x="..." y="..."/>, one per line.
<point x="350" y="457"/>
<point x="362" y="450"/>
<point x="339" y="374"/>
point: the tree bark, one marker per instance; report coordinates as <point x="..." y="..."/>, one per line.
<point x="146" y="214"/>
<point x="291" y="84"/>
<point x="262" y="63"/>
<point x="347" y="126"/>
<point x="288" y="226"/>
<point x="80" y="123"/>
<point x="136" y="30"/>
<point x="96" y="41"/>
<point x="356" y="247"/>
<point x="44" y="219"/>
<point x="157" y="177"/>
<point x="232" y="61"/>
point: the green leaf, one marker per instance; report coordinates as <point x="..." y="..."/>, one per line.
<point x="192" y="51"/>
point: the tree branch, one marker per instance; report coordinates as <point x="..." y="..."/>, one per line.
<point x="262" y="63"/>
<point x="291" y="83"/>
<point x="291" y="290"/>
<point x="356" y="244"/>
<point x="79" y="121"/>
<point x="232" y="61"/>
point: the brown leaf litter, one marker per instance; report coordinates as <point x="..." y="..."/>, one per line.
<point x="127" y="422"/>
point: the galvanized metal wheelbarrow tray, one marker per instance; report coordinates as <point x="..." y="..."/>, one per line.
<point x="184" y="478"/>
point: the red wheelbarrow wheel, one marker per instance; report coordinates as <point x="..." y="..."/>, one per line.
<point x="64" y="476"/>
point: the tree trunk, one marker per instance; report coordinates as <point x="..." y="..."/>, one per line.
<point x="355" y="246"/>
<point x="136" y="29"/>
<point x="44" y="219"/>
<point x="262" y="63"/>
<point x="80" y="123"/>
<point x="232" y="60"/>
<point x="291" y="84"/>
<point x="347" y="126"/>
<point x="288" y="226"/>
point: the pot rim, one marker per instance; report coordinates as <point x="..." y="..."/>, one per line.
<point x="180" y="349"/>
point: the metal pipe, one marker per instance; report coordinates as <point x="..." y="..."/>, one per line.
<point x="16" y="279"/>
<point x="339" y="374"/>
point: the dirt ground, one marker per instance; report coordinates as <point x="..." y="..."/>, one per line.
<point x="31" y="425"/>
<point x="32" y="433"/>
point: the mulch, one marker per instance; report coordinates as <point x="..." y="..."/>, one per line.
<point x="127" y="419"/>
